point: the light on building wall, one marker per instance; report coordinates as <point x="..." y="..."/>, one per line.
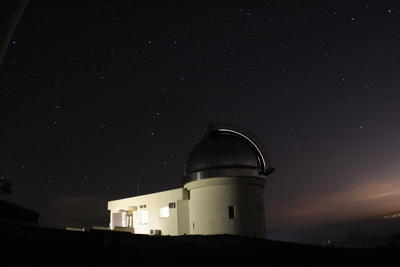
<point x="144" y="217"/>
<point x="164" y="212"/>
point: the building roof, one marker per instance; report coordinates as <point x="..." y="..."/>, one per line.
<point x="227" y="150"/>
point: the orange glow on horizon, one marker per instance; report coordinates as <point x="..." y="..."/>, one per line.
<point x="369" y="199"/>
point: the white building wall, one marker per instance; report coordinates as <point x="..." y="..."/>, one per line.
<point x="206" y="212"/>
<point x="209" y="206"/>
<point x="151" y="203"/>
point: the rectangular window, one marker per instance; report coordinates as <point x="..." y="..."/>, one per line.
<point x="164" y="212"/>
<point x="172" y="205"/>
<point x="144" y="217"/>
<point x="231" y="212"/>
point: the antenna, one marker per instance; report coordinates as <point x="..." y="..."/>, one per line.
<point x="138" y="184"/>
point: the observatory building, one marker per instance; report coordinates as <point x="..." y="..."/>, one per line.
<point x="222" y="191"/>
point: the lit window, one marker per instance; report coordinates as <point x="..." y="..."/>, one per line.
<point x="164" y="212"/>
<point x="231" y="212"/>
<point x="144" y="217"/>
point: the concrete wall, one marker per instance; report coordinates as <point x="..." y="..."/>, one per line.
<point x="151" y="203"/>
<point x="210" y="199"/>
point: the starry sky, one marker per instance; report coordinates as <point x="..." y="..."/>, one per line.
<point x="97" y="97"/>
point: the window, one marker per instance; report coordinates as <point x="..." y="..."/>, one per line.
<point x="144" y="217"/>
<point x="172" y="205"/>
<point x="164" y="212"/>
<point x="231" y="212"/>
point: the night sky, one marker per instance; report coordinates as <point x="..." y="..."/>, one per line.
<point x="98" y="96"/>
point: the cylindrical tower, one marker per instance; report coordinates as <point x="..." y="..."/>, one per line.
<point x="225" y="176"/>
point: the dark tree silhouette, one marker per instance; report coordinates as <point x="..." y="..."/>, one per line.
<point x="5" y="186"/>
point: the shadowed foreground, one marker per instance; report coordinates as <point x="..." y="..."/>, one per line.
<point x="36" y="246"/>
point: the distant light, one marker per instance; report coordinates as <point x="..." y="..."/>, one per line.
<point x="389" y="10"/>
<point x="391" y="216"/>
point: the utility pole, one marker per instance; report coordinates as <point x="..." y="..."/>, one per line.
<point x="138" y="184"/>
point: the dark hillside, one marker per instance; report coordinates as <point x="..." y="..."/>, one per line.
<point x="35" y="246"/>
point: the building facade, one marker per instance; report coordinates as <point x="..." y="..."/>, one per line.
<point x="222" y="191"/>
